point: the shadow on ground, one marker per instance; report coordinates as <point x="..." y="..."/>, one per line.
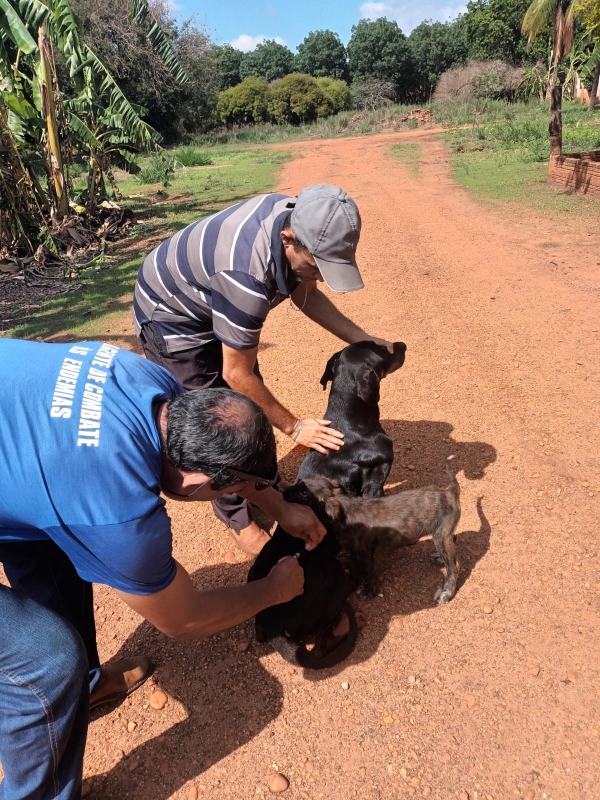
<point x="228" y="696"/>
<point x="408" y="578"/>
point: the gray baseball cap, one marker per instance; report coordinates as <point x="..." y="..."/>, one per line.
<point x="327" y="222"/>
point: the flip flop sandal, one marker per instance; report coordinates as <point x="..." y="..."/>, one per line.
<point x="142" y="663"/>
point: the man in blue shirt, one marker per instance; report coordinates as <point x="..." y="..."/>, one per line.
<point x="90" y="436"/>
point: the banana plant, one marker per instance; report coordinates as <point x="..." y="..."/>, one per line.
<point x="45" y="122"/>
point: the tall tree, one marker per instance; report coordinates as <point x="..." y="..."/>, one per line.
<point x="229" y="61"/>
<point x="172" y="108"/>
<point x="562" y="14"/>
<point x="493" y="30"/>
<point x="436" y="47"/>
<point x="379" y="50"/>
<point x="322" y="55"/>
<point x="269" y="61"/>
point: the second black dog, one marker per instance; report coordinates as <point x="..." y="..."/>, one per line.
<point x="315" y="613"/>
<point x="362" y="465"/>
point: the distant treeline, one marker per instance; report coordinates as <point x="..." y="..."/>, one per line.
<point x="378" y="61"/>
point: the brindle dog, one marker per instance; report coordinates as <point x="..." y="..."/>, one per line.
<point x="362" y="524"/>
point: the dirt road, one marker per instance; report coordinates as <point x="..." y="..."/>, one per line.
<point x="496" y="695"/>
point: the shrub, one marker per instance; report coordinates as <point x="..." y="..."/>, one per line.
<point x="489" y="79"/>
<point x="296" y="99"/>
<point x="373" y="94"/>
<point x="158" y="170"/>
<point x="244" y="103"/>
<point x="190" y="157"/>
<point x="337" y="95"/>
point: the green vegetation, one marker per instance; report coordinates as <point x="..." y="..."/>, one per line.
<point x="504" y="155"/>
<point x="408" y="153"/>
<point x="190" y="157"/>
<point x="293" y="100"/>
<point x="98" y="307"/>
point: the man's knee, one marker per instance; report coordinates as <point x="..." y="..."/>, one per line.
<point x="70" y="663"/>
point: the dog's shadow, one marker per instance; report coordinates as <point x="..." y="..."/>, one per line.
<point x="227" y="696"/>
<point x="408" y="579"/>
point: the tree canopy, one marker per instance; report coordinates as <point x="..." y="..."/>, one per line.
<point x="493" y="30"/>
<point x="436" y="47"/>
<point x="379" y="50"/>
<point x="269" y="61"/>
<point x="229" y="60"/>
<point x="322" y="55"/>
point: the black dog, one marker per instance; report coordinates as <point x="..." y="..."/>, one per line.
<point x="363" y="464"/>
<point x="316" y="612"/>
<point x="362" y="524"/>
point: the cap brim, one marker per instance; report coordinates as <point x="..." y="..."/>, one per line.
<point x="340" y="277"/>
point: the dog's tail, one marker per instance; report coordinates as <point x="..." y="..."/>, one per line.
<point x="454" y="484"/>
<point x="329" y="649"/>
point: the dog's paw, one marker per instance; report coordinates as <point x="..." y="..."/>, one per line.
<point x="443" y="596"/>
<point x="437" y="559"/>
<point x="366" y="592"/>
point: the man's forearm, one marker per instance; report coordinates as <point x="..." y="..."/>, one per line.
<point x="253" y="387"/>
<point x="217" y="610"/>
<point x="268" y="500"/>
<point x="321" y="310"/>
<point x="183" y="612"/>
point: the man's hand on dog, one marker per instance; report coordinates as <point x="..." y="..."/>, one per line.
<point x="301" y="522"/>
<point x="382" y="342"/>
<point x="316" y="434"/>
<point x="288" y="579"/>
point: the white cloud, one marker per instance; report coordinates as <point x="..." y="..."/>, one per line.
<point x="247" y="43"/>
<point x="410" y="14"/>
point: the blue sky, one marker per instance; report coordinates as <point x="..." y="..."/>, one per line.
<point x="244" y="23"/>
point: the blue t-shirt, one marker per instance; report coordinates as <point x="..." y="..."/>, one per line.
<point x="80" y="459"/>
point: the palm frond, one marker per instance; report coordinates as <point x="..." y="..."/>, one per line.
<point x="142" y="134"/>
<point x="537" y="16"/>
<point x="159" y="40"/>
<point x="13" y="27"/>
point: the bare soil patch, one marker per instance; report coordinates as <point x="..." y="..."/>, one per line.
<point x="496" y="695"/>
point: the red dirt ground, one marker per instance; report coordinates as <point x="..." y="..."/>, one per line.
<point x="496" y="695"/>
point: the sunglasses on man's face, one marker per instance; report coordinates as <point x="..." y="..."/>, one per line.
<point x="259" y="483"/>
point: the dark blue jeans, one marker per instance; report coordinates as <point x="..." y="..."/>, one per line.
<point x="48" y="666"/>
<point x="44" y="700"/>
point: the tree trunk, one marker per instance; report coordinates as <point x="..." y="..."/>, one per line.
<point x="555" y="127"/>
<point x="594" y="89"/>
<point x="49" y="111"/>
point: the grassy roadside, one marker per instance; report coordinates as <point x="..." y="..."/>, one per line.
<point x="97" y="309"/>
<point x="506" y="159"/>
<point x="408" y="154"/>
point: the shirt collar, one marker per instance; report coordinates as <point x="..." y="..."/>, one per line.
<point x="284" y="277"/>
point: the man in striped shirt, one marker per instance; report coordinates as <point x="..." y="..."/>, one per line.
<point x="202" y="297"/>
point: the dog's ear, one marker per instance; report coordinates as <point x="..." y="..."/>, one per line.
<point x="396" y="360"/>
<point x="367" y="383"/>
<point x="329" y="373"/>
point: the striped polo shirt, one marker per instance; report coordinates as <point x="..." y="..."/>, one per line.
<point x="218" y="278"/>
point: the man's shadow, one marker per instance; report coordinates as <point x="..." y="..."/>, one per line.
<point x="228" y="697"/>
<point x="407" y="577"/>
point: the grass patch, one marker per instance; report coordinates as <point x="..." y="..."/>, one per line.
<point x="191" y="157"/>
<point x="504" y="156"/>
<point x="346" y="123"/>
<point x="97" y="309"/>
<point x="408" y="153"/>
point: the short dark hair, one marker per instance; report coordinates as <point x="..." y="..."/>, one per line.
<point x="209" y="429"/>
<point x="296" y="243"/>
